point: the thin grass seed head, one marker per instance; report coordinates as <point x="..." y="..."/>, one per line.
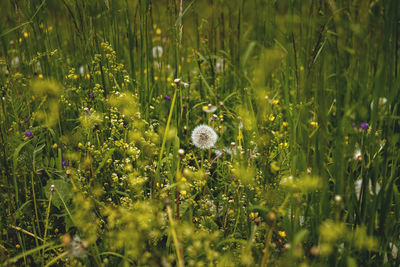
<point x="204" y="137"/>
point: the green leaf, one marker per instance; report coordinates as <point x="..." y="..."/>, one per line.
<point x="298" y="238"/>
<point x="64" y="189"/>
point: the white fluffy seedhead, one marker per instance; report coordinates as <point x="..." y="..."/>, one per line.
<point x="204" y="137"/>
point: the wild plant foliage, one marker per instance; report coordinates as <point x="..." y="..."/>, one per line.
<point x="199" y="133"/>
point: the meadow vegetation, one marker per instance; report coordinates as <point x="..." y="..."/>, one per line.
<point x="199" y="133"/>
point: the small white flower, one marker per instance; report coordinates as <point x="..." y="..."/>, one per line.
<point x="357" y="187"/>
<point x="381" y="102"/>
<point x="37" y="67"/>
<point x="15" y="62"/>
<point x="341" y="248"/>
<point x="157" y="52"/>
<point x="372" y="190"/>
<point x="287" y="180"/>
<point x="209" y="108"/>
<point x="204" y="137"/>
<point x="78" y="247"/>
<point x="219" y="65"/>
<point x="357" y="154"/>
<point x="301" y="220"/>
<point x="83" y="69"/>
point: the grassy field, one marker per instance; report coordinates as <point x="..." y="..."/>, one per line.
<point x="199" y="133"/>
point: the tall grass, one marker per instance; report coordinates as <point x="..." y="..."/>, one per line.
<point x="97" y="162"/>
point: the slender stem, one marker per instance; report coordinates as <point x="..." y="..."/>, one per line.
<point x="47" y="217"/>
<point x="266" y="248"/>
<point x="54" y="260"/>
<point x="165" y="137"/>
<point x="47" y="220"/>
<point x="177" y="244"/>
<point x="34" y="203"/>
<point x="177" y="195"/>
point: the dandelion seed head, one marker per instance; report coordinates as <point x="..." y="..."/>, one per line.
<point x="204" y="137"/>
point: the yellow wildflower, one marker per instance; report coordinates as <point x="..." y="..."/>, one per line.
<point x="282" y="234"/>
<point x="271" y="117"/>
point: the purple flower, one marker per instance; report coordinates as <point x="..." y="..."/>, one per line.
<point x="364" y="126"/>
<point x="91" y="95"/>
<point x="26" y="120"/>
<point x="64" y="163"/>
<point x="28" y="134"/>
<point x="167" y="97"/>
